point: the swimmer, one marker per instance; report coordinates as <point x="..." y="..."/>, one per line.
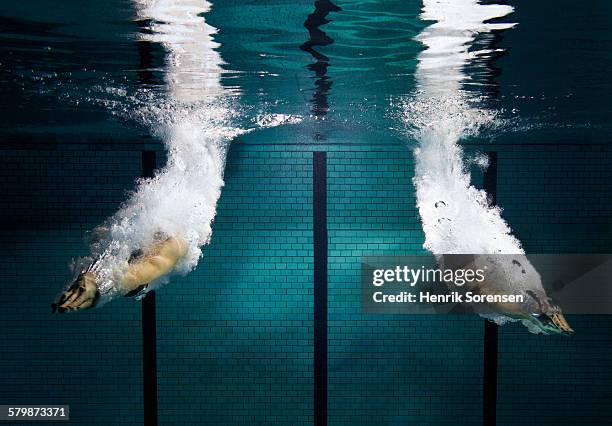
<point x="514" y="275"/>
<point x="143" y="268"/>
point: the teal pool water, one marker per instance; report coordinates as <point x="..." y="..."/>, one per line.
<point x="235" y="336"/>
<point x="552" y="83"/>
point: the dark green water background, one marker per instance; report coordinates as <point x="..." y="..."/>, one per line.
<point x="235" y="336"/>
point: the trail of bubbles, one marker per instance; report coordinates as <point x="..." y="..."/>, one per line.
<point x="194" y="116"/>
<point x="457" y="218"/>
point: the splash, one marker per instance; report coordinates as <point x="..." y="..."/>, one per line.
<point x="194" y="119"/>
<point x="457" y="218"/>
<point x="274" y="120"/>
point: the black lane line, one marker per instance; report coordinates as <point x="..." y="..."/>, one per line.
<point x="149" y="330"/>
<point x="318" y="37"/>
<point x="319" y="204"/>
<point x="489" y="380"/>
<point x="146" y="77"/>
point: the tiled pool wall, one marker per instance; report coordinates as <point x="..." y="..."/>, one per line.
<point x="235" y="337"/>
<point x="91" y="362"/>
<point x="557" y="200"/>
